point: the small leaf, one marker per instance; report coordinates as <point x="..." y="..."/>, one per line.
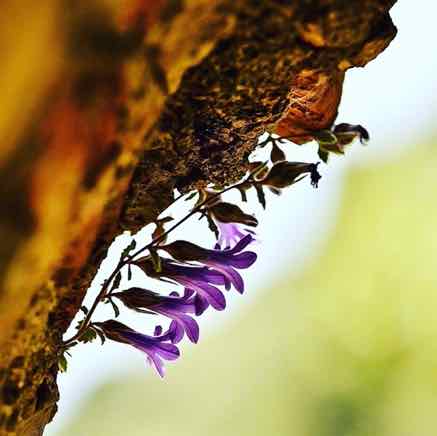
<point x="100" y="334"/>
<point x="88" y="336"/>
<point x="242" y="188"/>
<point x="212" y="226"/>
<point x="84" y="309"/>
<point x="275" y="190"/>
<point x="62" y="363"/>
<point x="192" y="195"/>
<point x="243" y="194"/>
<point x="129" y="272"/>
<point x="116" y="282"/>
<point x="128" y="249"/>
<point x="324" y="155"/>
<point x="79" y="324"/>
<point x="260" y="194"/>
<point x="114" y="307"/>
<point x="276" y="155"/>
<point x="166" y="219"/>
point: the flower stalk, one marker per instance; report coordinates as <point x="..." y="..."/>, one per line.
<point x="130" y="258"/>
<point x="200" y="271"/>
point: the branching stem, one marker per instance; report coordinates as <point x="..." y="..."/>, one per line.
<point x="128" y="258"/>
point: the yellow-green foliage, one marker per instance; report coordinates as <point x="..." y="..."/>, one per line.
<point x="347" y="349"/>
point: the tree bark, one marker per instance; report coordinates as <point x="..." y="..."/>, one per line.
<point x="110" y="108"/>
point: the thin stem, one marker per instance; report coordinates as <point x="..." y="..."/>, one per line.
<point x="189" y="215"/>
<point x="181" y="221"/>
<point x="101" y="295"/>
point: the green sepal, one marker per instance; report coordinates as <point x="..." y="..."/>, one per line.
<point x="62" y="363"/>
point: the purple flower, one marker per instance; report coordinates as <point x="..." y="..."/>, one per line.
<point x="175" y="332"/>
<point x="198" y="279"/>
<point x="155" y="347"/>
<point x="231" y="222"/>
<point x="225" y="262"/>
<point x="230" y="233"/>
<point x="173" y="306"/>
<point x="228" y="261"/>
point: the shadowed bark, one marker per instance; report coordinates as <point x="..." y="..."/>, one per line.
<point x="123" y="105"/>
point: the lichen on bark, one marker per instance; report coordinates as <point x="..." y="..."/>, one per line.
<point x="143" y="99"/>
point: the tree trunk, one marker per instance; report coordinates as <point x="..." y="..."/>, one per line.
<point x="106" y="109"/>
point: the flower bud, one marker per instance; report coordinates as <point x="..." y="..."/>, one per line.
<point x="284" y="174"/>
<point x="230" y="213"/>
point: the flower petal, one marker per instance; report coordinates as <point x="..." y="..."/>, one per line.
<point x="201" y="304"/>
<point x="243" y="260"/>
<point x="190" y="326"/>
<point x="232" y="276"/>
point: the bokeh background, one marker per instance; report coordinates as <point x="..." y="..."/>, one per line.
<point x="337" y="333"/>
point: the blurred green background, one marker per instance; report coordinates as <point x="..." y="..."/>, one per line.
<point x="348" y="347"/>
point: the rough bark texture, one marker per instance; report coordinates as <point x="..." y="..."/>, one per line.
<point x="126" y="104"/>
